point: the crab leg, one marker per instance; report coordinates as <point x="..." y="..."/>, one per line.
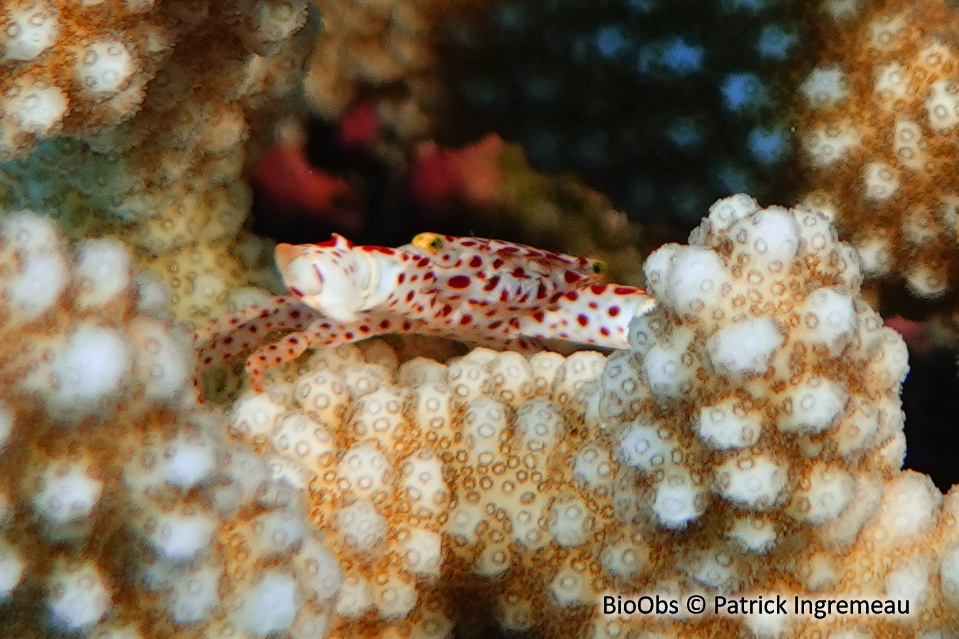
<point x="266" y="357"/>
<point x="238" y="333"/>
<point x="257" y="312"/>
<point x="322" y="333"/>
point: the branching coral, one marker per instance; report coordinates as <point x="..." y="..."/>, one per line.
<point x="134" y="118"/>
<point x="124" y="511"/>
<point x="878" y="116"/>
<point x="749" y="444"/>
<point x="375" y="46"/>
<point x="759" y="412"/>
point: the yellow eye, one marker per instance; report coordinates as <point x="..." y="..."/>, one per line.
<point x="600" y="267"/>
<point x="430" y="241"/>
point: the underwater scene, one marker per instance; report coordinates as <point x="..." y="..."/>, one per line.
<point x="479" y="319"/>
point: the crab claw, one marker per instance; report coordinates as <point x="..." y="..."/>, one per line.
<point x="323" y="276"/>
<point x="286" y="253"/>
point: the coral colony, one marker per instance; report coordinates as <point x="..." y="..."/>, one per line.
<point x="718" y="454"/>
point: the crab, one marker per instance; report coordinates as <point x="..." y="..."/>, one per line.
<point x="482" y="291"/>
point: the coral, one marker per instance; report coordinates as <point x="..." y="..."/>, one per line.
<point x="375" y="46"/>
<point x="82" y="71"/>
<point x="134" y="118"/>
<point x="749" y="444"/>
<point x="124" y="509"/>
<point x="877" y="121"/>
<point x="760" y="406"/>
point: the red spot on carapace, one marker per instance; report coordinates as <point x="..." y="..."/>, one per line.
<point x="476" y="262"/>
<point x="593" y="305"/>
<point x="498" y="263"/>
<point x="296" y="291"/>
<point x="459" y="282"/>
<point x="385" y="324"/>
<point x="604" y="331"/>
<point x="572" y="296"/>
<point x="519" y="272"/>
<point x="626" y="290"/>
<point x="348" y="335"/>
<point x="597" y="289"/>
<point x="613" y="311"/>
<point x="541" y="292"/>
<point x="538" y="316"/>
<point x="571" y="277"/>
<point x="466" y="319"/>
<point x="582" y="320"/>
<point x="401" y="278"/>
<point x="410" y="296"/>
<point x="495" y="325"/>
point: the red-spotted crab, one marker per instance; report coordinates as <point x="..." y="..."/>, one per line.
<point x="486" y="292"/>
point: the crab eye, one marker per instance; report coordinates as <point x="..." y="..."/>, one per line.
<point x="430" y="241"/>
<point x="600" y="267"/>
